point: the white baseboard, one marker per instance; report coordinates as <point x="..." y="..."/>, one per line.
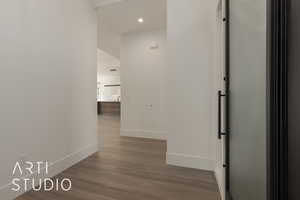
<point x="219" y="174"/>
<point x="190" y="161"/>
<point x="6" y="192"/>
<point x="159" y="135"/>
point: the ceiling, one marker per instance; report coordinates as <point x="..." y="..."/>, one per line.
<point x="121" y="15"/>
<point x="106" y="62"/>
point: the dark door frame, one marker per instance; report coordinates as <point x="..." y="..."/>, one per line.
<point x="227" y="99"/>
<point x="277" y="105"/>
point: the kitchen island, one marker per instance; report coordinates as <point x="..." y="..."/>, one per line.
<point x="109" y="107"/>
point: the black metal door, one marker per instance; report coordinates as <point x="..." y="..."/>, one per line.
<point x="293" y="100"/>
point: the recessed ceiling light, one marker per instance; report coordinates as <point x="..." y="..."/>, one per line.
<point x="140" y="20"/>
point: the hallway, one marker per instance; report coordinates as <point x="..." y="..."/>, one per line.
<point x="130" y="169"/>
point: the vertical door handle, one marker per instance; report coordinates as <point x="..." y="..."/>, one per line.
<point x="220" y="133"/>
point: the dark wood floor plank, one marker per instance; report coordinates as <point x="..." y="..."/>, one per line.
<point x="130" y="169"/>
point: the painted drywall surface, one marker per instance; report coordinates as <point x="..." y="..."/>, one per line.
<point x="106" y="62"/>
<point x="189" y="90"/>
<point x="108" y="40"/>
<point x="48" y="82"/>
<point x="143" y="61"/>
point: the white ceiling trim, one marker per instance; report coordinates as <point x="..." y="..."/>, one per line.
<point x="106" y="2"/>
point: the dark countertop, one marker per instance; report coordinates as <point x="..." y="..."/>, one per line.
<point x="108" y="101"/>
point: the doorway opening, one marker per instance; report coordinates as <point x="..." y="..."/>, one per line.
<point x="108" y="84"/>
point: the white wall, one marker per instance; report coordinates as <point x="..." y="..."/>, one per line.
<point x="108" y="40"/>
<point x="190" y="92"/>
<point x="142" y="77"/>
<point x="47" y="84"/>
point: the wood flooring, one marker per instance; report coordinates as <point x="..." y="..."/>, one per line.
<point x="130" y="169"/>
